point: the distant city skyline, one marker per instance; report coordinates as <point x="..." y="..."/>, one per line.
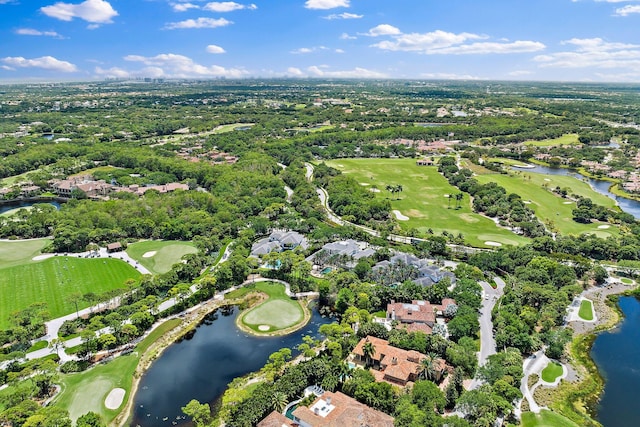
<point x="547" y="40"/>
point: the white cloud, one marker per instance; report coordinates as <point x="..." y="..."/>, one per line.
<point x="518" y="73"/>
<point x="198" y="23"/>
<point x="34" y="32"/>
<point x="113" y="72"/>
<point x="326" y="4"/>
<point x="627" y="10"/>
<point x="212" y="48"/>
<point x="443" y="42"/>
<point x="172" y="65"/>
<point x="594" y="53"/>
<point x="339" y="51"/>
<point x="344" y="15"/>
<point x="449" y="76"/>
<point x="227" y="6"/>
<point x="95" y="11"/>
<point x="183" y="7"/>
<point x="322" y="71"/>
<point x="383" y="30"/>
<point x="304" y="50"/>
<point x="44" y="62"/>
<point x="345" y="36"/>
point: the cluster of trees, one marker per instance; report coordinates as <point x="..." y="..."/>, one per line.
<point x="492" y="199"/>
<point x="586" y="210"/>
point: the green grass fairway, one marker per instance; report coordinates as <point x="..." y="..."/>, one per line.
<point x="546" y="419"/>
<point x="85" y="391"/>
<point x="167" y="253"/>
<point x="586" y="310"/>
<point x="278" y="312"/>
<point x="55" y="279"/>
<point x="423" y="199"/>
<point x="231" y="127"/>
<point x="550" y="207"/>
<point x="17" y="252"/>
<point x="551" y="372"/>
<point x="568" y="139"/>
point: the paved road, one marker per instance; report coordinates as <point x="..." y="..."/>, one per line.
<point x="490" y="297"/>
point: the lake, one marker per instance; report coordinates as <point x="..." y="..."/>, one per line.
<point x="5" y="207"/>
<point x="201" y="365"/>
<point x="617" y="355"/>
<point x="627" y="205"/>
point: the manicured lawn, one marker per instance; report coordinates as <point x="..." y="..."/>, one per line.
<point x="552" y="371"/>
<point x="568" y="139"/>
<point x="586" y="310"/>
<point x="86" y="391"/>
<point x="55" y="279"/>
<point x="277" y="312"/>
<point x="423" y="199"/>
<point x="167" y="253"/>
<point x="231" y="127"/>
<point x="626" y="281"/>
<point x="17" y="252"/>
<point x="545" y="419"/>
<point x="550" y="207"/>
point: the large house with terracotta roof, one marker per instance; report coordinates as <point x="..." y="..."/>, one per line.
<point x="419" y="315"/>
<point x="339" y="410"/>
<point x="391" y="364"/>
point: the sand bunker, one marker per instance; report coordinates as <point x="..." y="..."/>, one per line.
<point x="149" y="254"/>
<point x="526" y="202"/>
<point x="547" y="179"/>
<point x="374" y="190"/>
<point x="567" y="203"/>
<point x="604" y="227"/>
<point x="365" y="184"/>
<point x="114" y="398"/>
<point x="264" y="327"/>
<point x="41" y="257"/>
<point x="399" y="216"/>
<point x="490" y="243"/>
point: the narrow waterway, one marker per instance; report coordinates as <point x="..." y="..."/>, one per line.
<point x="201" y="365"/>
<point x="627" y="205"/>
<point x="617" y="355"/>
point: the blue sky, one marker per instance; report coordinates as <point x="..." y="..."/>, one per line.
<point x="563" y="40"/>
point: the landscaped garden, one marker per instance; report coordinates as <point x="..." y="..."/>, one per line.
<point x="426" y="201"/>
<point x="279" y="312"/>
<point x="586" y="310"/>
<point x="54" y="280"/>
<point x="158" y="256"/>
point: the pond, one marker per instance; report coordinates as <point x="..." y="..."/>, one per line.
<point x="201" y="365"/>
<point x="8" y="206"/>
<point x="627" y="205"/>
<point x="617" y="355"/>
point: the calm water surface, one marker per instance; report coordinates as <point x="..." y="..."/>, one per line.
<point x="201" y="366"/>
<point x="22" y="204"/>
<point x="617" y="355"/>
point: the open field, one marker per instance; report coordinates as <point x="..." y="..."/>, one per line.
<point x="55" y="279"/>
<point x="161" y="255"/>
<point x="424" y="199"/>
<point x="568" y="139"/>
<point x="277" y="312"/>
<point x="17" y="252"/>
<point x="550" y="207"/>
<point x="230" y="127"/>
<point x="96" y="169"/>
<point x="552" y="371"/>
<point x="545" y="419"/>
<point x="586" y="310"/>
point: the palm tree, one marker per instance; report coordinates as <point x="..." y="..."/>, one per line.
<point x="279" y="401"/>
<point x="390" y="188"/>
<point x="459" y="197"/>
<point x="428" y="366"/>
<point x="449" y="197"/>
<point x="398" y="188"/>
<point x="368" y="350"/>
